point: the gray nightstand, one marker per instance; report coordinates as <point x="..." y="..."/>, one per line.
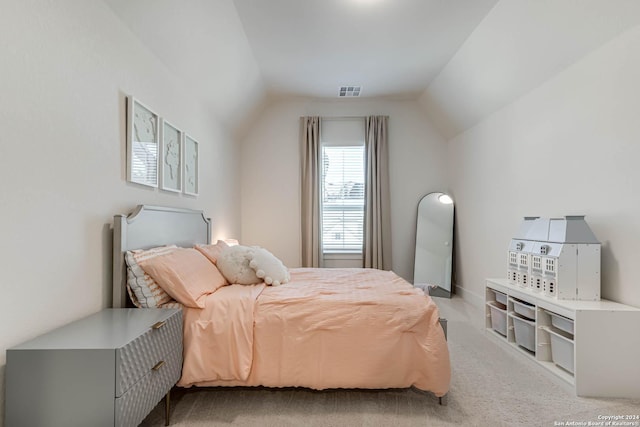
<point x="109" y="369"/>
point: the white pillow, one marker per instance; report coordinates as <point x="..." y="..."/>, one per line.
<point x="233" y="263"/>
<point x="268" y="267"/>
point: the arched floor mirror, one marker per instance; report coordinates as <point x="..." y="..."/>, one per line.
<point x="434" y="245"/>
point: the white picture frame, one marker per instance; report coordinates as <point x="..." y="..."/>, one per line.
<point x="143" y="141"/>
<point x="191" y="165"/>
<point x="171" y="158"/>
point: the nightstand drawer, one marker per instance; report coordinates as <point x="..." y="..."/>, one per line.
<point x="137" y="358"/>
<point x="132" y="407"/>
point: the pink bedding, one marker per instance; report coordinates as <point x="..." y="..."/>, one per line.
<point x="327" y="328"/>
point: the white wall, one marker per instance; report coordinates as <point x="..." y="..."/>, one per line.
<point x="570" y="146"/>
<point x="65" y="69"/>
<point x="519" y="45"/>
<point x="271" y="173"/>
<point x="202" y="42"/>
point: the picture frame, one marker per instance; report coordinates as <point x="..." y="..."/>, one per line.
<point x="191" y="165"/>
<point x="171" y="158"/>
<point x="143" y="140"/>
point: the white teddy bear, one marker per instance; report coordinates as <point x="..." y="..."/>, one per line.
<point x="268" y="267"/>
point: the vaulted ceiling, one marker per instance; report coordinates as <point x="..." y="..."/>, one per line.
<point x="389" y="47"/>
<point x="463" y="59"/>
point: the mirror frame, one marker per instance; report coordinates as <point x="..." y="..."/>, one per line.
<point x="445" y="231"/>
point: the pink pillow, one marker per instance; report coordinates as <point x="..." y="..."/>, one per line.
<point x="212" y="252"/>
<point x="186" y="275"/>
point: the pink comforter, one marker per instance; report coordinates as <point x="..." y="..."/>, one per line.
<point x="327" y="328"/>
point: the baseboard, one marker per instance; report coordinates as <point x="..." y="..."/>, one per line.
<point x="470" y="297"/>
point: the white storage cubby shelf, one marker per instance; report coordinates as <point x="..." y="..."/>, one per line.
<point x="593" y="345"/>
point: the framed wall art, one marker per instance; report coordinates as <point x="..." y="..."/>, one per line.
<point x="191" y="168"/>
<point x="171" y="158"/>
<point x="143" y="131"/>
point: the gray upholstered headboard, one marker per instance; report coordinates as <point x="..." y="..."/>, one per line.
<point x="150" y="226"/>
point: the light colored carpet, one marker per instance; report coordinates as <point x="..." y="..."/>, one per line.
<point x="491" y="386"/>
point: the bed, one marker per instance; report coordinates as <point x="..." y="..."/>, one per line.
<point x="326" y="328"/>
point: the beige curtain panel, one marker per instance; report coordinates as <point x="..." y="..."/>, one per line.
<point x="377" y="211"/>
<point x="310" y="191"/>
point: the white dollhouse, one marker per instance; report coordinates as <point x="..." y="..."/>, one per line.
<point x="558" y="257"/>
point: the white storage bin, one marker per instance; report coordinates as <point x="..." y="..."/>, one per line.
<point x="498" y="318"/>
<point x="561" y="349"/>
<point x="561" y="322"/>
<point x="525" y="331"/>
<point x="525" y="309"/>
<point x="500" y="297"/>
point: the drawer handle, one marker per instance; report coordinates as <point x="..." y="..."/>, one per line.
<point x="159" y="325"/>
<point x="158" y="365"/>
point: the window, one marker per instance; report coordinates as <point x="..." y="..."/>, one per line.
<point x="342" y="198"/>
<point x="342" y="192"/>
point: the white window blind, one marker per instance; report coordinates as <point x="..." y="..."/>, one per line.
<point x="342" y="198"/>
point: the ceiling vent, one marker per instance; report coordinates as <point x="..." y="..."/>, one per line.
<point x="349" y="91"/>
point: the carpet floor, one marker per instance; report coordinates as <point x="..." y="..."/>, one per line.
<point x="491" y="386"/>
